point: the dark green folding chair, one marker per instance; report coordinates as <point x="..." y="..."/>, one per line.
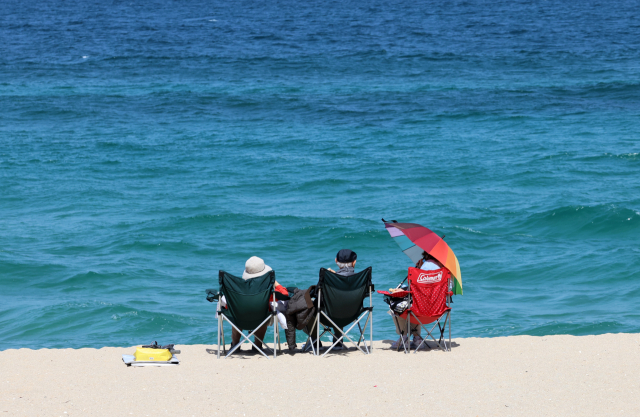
<point x="247" y="307"/>
<point x="341" y="300"/>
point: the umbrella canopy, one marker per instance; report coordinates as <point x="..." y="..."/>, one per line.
<point x="413" y="239"/>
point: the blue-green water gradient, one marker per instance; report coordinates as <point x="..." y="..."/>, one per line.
<point x="145" y="146"/>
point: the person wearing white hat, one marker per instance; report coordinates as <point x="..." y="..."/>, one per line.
<point x="253" y="268"/>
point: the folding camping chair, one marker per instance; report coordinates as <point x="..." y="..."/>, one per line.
<point x="247" y="307"/>
<point x="341" y="302"/>
<point x="430" y="302"/>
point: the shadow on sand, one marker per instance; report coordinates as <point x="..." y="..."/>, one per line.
<point x="431" y="345"/>
<point x="249" y="353"/>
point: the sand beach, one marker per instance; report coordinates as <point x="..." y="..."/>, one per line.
<point x="519" y="376"/>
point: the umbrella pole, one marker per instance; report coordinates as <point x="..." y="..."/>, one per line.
<point x="405" y="278"/>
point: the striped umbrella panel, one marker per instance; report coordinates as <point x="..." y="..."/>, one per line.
<point x="414" y="239"/>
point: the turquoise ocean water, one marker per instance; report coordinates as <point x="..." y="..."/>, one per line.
<point x="145" y="146"/>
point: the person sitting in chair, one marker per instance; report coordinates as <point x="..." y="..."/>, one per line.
<point x="427" y="263"/>
<point x="346" y="261"/>
<point x="253" y="268"/>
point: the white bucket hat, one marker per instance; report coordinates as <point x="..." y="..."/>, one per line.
<point x="255" y="267"/>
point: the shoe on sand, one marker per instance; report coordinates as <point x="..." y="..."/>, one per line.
<point x="307" y="346"/>
<point x="417" y="340"/>
<point x="398" y="343"/>
<point x="339" y="346"/>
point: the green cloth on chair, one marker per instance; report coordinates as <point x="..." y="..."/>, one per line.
<point x="342" y="296"/>
<point x="247" y="299"/>
<point x="341" y="300"/>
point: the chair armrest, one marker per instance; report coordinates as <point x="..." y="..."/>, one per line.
<point x="398" y="294"/>
<point x="213" y="295"/>
<point x="282" y="297"/>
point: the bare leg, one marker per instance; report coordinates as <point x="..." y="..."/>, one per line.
<point x="235" y="336"/>
<point x="401" y="325"/>
<point x="259" y="335"/>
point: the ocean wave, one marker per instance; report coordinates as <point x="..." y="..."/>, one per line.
<point x="94" y="324"/>
<point x="606" y="156"/>
<point x="632" y="156"/>
<point x="616" y="87"/>
<point x="127" y="314"/>
<point x="468" y="229"/>
<point x="81" y="282"/>
<point x="22" y="271"/>
<point x="600" y="221"/>
<point x="123" y="145"/>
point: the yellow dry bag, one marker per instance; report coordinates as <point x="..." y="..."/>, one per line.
<point x="148" y="355"/>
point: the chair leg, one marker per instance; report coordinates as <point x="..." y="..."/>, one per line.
<point x="318" y="325"/>
<point x="362" y="330"/>
<point x="309" y="340"/>
<point x="247" y="338"/>
<point x="445" y="325"/>
<point x="310" y="337"/>
<point x="408" y="335"/>
<point x="265" y="345"/>
<point x="224" y="345"/>
<point x="318" y="335"/>
<point x="429" y="332"/>
<point x="395" y="320"/>
<point x="279" y="347"/>
<point x="449" y="330"/>
<point x="371" y="334"/>
<point x="345" y="334"/>
<point x="371" y="324"/>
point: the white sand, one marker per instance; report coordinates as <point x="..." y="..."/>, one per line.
<point x="536" y="376"/>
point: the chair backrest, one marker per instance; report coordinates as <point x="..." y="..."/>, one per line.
<point x="247" y="299"/>
<point x="429" y="291"/>
<point x="342" y="296"/>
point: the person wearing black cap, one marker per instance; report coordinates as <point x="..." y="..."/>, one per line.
<point x="346" y="261"/>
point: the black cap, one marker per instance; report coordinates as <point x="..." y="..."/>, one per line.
<point x="346" y="256"/>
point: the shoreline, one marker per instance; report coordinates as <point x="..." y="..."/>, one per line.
<point x="513" y="375"/>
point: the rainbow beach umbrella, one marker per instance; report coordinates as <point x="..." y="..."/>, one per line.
<point x="413" y="239"/>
